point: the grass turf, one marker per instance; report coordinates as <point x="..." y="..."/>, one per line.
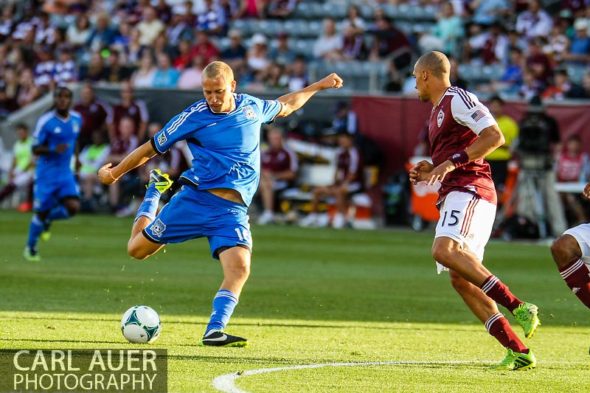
<point x="314" y="296"/>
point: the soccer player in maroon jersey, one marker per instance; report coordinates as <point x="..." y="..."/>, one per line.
<point x="462" y="132"/>
<point x="571" y="253"/>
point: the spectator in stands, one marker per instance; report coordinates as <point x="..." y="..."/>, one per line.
<point x="562" y="88"/>
<point x="235" y="54"/>
<point x="22" y="169"/>
<point x="144" y="75"/>
<point x="328" y="46"/>
<point x="455" y="77"/>
<point x="184" y="57"/>
<point x="136" y="110"/>
<point x="512" y="78"/>
<point x="44" y="69"/>
<point x="163" y="11"/>
<point x="276" y="78"/>
<point x="449" y="29"/>
<point x="166" y="76"/>
<point x="500" y="157"/>
<point x="534" y="22"/>
<point x="94" y="71"/>
<point x="7" y="21"/>
<point x="539" y="63"/>
<point x="558" y="44"/>
<point x="122" y="143"/>
<point x="65" y="69"/>
<point x="538" y="136"/>
<point x="586" y="85"/>
<point x="353" y="20"/>
<point x="28" y="91"/>
<point x="92" y="157"/>
<point x="353" y="45"/>
<point x="190" y="78"/>
<point x="178" y="30"/>
<point x="116" y="71"/>
<point x="530" y="86"/>
<point x="282" y="53"/>
<point x="257" y="58"/>
<point x="205" y="48"/>
<point x="251" y="9"/>
<point x="102" y="35"/>
<point x="150" y="27"/>
<point x="78" y="34"/>
<point x="348" y="180"/>
<point x="212" y="19"/>
<point x="572" y="167"/>
<point x="161" y="45"/>
<point x="134" y="50"/>
<point x="395" y="79"/>
<point x="281" y="9"/>
<point x="45" y="33"/>
<point x="94" y="114"/>
<point x="345" y="119"/>
<point x="390" y="42"/>
<point x="279" y="170"/>
<point x="488" y="12"/>
<point x="7" y="104"/>
<point x="579" y="49"/>
<point x="298" y="77"/>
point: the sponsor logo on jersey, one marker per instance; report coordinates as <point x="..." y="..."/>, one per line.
<point x="158" y="228"/>
<point x="440" y="117"/>
<point x="249" y="112"/>
<point x="162" y="138"/>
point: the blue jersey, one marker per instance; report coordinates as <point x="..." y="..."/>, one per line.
<point x="225" y="146"/>
<point x="53" y="130"/>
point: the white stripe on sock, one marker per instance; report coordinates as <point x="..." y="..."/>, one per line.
<point x="488" y="324"/>
<point x="490" y="284"/>
<point x="571" y="270"/>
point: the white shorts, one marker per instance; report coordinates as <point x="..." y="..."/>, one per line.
<point x="468" y="220"/>
<point x="582" y="235"/>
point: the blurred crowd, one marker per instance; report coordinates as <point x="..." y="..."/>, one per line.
<point x="527" y="47"/>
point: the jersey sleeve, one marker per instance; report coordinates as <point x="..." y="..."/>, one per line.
<point x="269" y="109"/>
<point x="180" y="127"/>
<point x="40" y="135"/>
<point x="468" y="111"/>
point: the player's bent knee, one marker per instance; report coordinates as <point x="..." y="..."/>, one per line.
<point x="565" y="250"/>
<point x="441" y="253"/>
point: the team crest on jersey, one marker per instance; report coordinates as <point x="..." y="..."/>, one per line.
<point x="440" y="117"/>
<point x="158" y="228"/>
<point x="162" y="138"/>
<point x="249" y="112"/>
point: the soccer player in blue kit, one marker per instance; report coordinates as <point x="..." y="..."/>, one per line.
<point x="223" y="134"/>
<point x="55" y="192"/>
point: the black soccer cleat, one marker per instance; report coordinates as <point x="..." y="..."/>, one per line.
<point x="217" y="338"/>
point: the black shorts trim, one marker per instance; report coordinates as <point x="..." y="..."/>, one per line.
<point x="151" y="239"/>
<point x="223" y="248"/>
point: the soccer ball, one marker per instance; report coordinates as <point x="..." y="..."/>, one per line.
<point x="141" y="324"/>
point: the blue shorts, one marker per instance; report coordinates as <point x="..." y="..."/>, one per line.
<point x="49" y="193"/>
<point x="193" y="213"/>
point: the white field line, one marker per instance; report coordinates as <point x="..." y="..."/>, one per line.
<point x="226" y="383"/>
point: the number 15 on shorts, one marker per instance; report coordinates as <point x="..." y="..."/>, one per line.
<point x="450" y="218"/>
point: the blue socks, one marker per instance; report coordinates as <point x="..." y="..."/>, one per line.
<point x="150" y="203"/>
<point x="224" y="303"/>
<point x="35" y="230"/>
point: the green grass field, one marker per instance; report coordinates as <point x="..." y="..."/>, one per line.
<point x="314" y="297"/>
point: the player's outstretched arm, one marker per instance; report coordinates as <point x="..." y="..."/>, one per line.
<point x="295" y="100"/>
<point x="108" y="174"/>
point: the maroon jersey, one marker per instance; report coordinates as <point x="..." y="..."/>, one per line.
<point x="94" y="117"/>
<point x="455" y="122"/>
<point x="347" y="163"/>
<point x="137" y="111"/>
<point x="570" y="167"/>
<point x="279" y="160"/>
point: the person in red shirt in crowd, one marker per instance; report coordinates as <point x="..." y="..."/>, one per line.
<point x="205" y="48"/>
<point x="279" y="169"/>
<point x="94" y="114"/>
<point x="462" y="132"/>
<point x="348" y="180"/>
<point x="129" y="107"/>
<point x="572" y="164"/>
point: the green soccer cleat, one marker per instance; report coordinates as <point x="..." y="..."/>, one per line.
<point x="527" y="316"/>
<point x="160" y="180"/>
<point x="31" y="254"/>
<point x="516" y="361"/>
<point x="217" y="338"/>
<point x="45" y="235"/>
